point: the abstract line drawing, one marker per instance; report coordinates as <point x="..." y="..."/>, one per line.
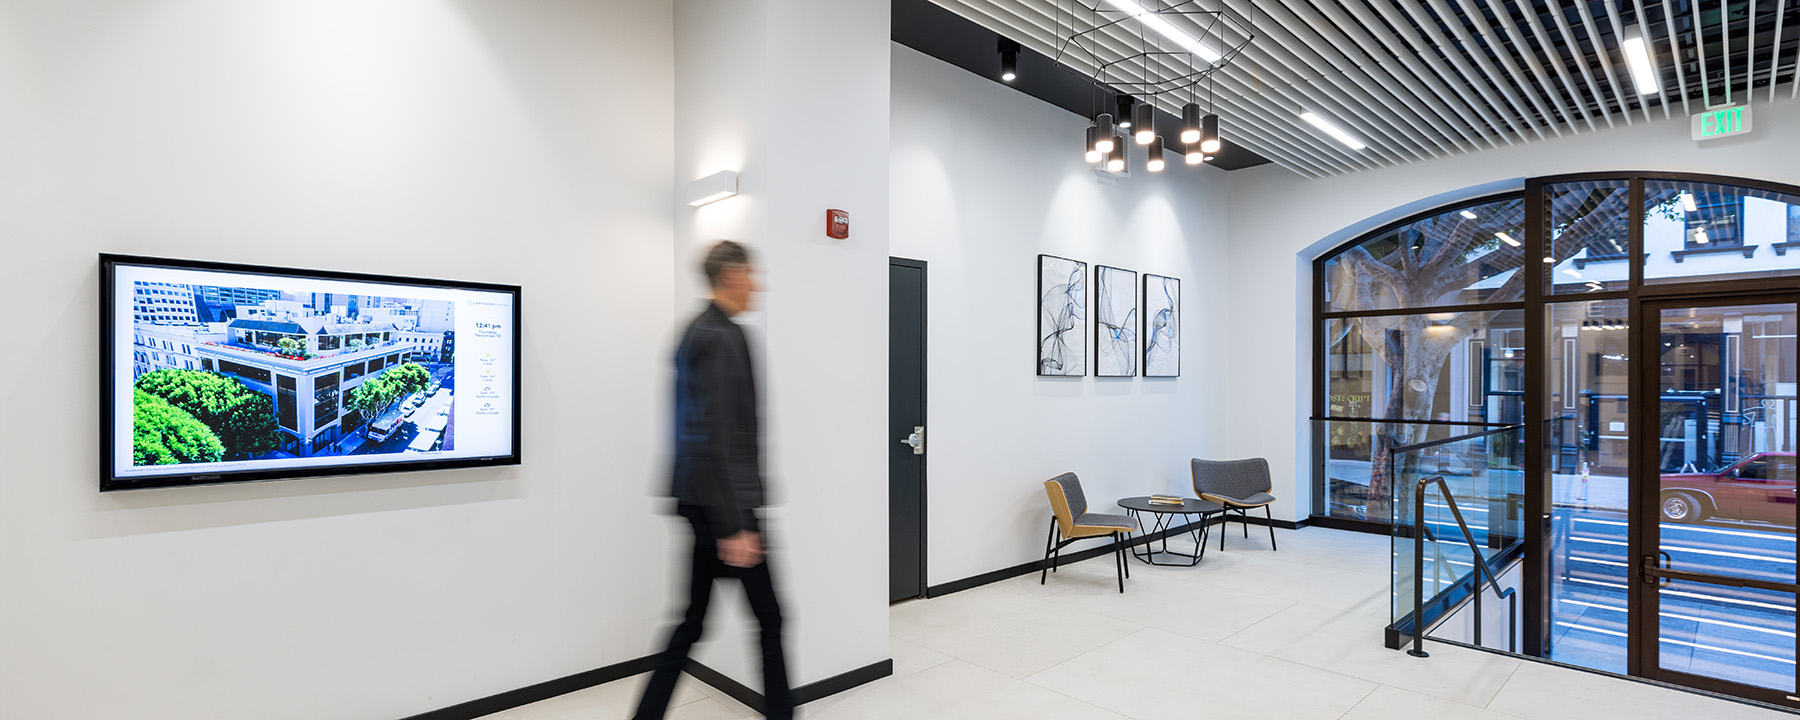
<point x="1115" y="322"/>
<point x="1162" y="326"/>
<point x="1062" y="316"/>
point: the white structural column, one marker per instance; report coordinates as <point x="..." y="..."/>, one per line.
<point x="793" y="95"/>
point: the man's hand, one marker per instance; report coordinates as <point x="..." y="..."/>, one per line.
<point x="743" y="549"/>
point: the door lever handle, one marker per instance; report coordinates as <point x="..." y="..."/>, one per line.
<point x="916" y="440"/>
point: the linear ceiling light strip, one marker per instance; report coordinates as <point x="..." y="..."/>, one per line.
<point x="1575" y="91"/>
<point x="1600" y="55"/>
<point x="1392" y="106"/>
<point x="1493" y="74"/>
<point x="1426" y="51"/>
<point x="1244" y="102"/>
<point x="1579" y="58"/>
<point x="1282" y="137"/>
<point x="1385" y="110"/>
<point x="1394" y="142"/>
<point x="1643" y="25"/>
<point x="1618" y="30"/>
<point x="1775" y="49"/>
<point x="1038" y="29"/>
<point x="1376" y="42"/>
<point x="1536" y="84"/>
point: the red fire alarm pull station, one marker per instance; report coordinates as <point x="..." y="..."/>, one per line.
<point x="837" y="224"/>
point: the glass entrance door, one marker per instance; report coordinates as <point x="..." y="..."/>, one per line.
<point x="1715" y="477"/>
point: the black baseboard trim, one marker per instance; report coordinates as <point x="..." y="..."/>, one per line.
<point x="843" y="681"/>
<point x="1361" y="526"/>
<point x="802" y="695"/>
<point x="970" y="583"/>
<point x="482" y="707"/>
<point x="732" y="688"/>
<point x="1259" y="520"/>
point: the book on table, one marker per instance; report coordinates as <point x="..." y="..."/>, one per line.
<point x="1165" y="500"/>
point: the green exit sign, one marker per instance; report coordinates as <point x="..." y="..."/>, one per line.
<point x="1722" y="122"/>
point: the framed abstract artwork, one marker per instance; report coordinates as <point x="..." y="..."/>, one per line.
<point x="1062" y="317"/>
<point x="1162" y="326"/>
<point x="1115" y="322"/>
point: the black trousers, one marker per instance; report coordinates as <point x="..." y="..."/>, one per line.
<point x="778" y="701"/>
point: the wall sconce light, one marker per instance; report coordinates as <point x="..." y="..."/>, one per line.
<point x="712" y="188"/>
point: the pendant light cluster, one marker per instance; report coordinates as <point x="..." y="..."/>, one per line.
<point x="1177" y="49"/>
<point x="1106" y="139"/>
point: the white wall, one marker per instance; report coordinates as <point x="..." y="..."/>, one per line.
<point x="1280" y="222"/>
<point x="985" y="179"/>
<point x="793" y="94"/>
<point x="464" y="140"/>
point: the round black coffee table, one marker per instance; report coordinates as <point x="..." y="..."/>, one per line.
<point x="1160" y="517"/>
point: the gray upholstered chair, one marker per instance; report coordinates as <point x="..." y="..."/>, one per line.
<point x="1237" y="485"/>
<point x="1070" y="521"/>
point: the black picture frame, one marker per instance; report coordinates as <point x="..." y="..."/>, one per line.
<point x="1121" y="334"/>
<point x="1052" y="345"/>
<point x="110" y="356"/>
<point x="1149" y="325"/>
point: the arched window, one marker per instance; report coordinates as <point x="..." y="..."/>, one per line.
<point x="1422" y="337"/>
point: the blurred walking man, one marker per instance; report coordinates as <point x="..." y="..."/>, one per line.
<point x="718" y="484"/>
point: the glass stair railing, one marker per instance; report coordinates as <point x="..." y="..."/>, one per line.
<point x="1454" y="506"/>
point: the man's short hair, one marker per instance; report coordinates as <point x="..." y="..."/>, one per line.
<point x="724" y="255"/>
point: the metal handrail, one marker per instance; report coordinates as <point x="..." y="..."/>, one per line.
<point x="1481" y="569"/>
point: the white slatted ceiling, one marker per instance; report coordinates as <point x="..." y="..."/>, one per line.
<point x="1418" y="79"/>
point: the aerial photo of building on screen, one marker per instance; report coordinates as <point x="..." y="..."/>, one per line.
<point x="223" y="374"/>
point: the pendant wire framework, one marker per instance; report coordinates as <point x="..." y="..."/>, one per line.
<point x="1151" y="70"/>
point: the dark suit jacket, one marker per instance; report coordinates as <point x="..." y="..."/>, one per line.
<point x="718" y="443"/>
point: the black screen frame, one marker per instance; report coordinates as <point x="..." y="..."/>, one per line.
<point x="109" y="357"/>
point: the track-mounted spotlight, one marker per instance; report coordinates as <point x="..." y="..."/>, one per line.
<point x="1009" y="59"/>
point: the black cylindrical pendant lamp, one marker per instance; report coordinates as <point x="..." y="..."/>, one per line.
<point x="1143" y="123"/>
<point x="1193" y="154"/>
<point x="1190" y="124"/>
<point x="1209" y="134"/>
<point x="1103" y="133"/>
<point x="1093" y="156"/>
<point x="1124" y="103"/>
<point x="1115" y="160"/>
<point x="1009" y="59"/>
<point x="1155" y="164"/>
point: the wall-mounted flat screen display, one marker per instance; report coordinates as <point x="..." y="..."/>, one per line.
<point x="215" y="373"/>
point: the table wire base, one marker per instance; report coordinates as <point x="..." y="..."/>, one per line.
<point x="1159" y="525"/>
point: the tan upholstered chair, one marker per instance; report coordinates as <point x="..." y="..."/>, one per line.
<point x="1070" y="521"/>
<point x="1238" y="485"/>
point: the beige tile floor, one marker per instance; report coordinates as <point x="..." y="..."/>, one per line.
<point x="1249" y="633"/>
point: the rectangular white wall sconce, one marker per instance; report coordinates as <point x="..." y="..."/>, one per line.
<point x="712" y="188"/>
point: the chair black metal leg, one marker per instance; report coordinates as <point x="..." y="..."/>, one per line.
<point x="1049" y="540"/>
<point x="1271" y="516"/>
<point x="1119" y="562"/>
<point x="1124" y="549"/>
<point x="1224" y="517"/>
<point x="1244" y="517"/>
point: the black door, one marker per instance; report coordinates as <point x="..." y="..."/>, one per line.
<point x="1716" y="477"/>
<point x="906" y="429"/>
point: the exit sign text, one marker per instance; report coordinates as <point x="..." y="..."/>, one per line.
<point x="1722" y="122"/>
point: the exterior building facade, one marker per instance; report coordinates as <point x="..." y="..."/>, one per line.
<point x="307" y="392"/>
<point x="304" y="360"/>
<point x="163" y="303"/>
<point x="171" y="347"/>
